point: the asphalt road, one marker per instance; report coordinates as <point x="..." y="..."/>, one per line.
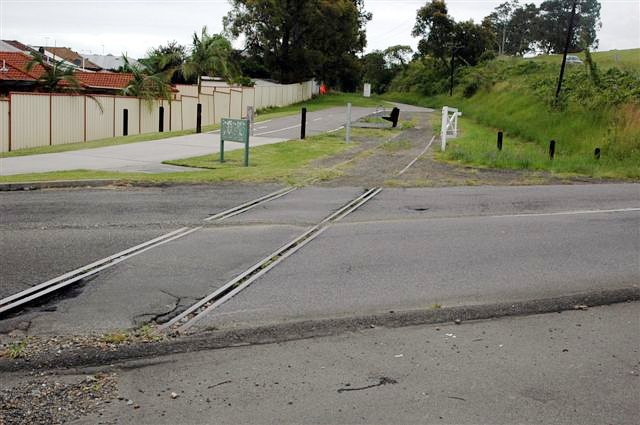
<point x="404" y="249"/>
<point x="48" y="232"/>
<point x="578" y="367"/>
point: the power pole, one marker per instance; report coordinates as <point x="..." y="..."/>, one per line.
<point x="566" y="49"/>
<point x="453" y="57"/>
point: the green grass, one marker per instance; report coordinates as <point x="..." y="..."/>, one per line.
<point x="286" y="162"/>
<point x="513" y="95"/>
<point x="318" y="103"/>
<point x="477" y="145"/>
<point x="624" y="59"/>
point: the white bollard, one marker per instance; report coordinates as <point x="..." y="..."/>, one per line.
<point x="443" y="130"/>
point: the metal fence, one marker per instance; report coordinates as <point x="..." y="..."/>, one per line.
<point x="30" y="120"/>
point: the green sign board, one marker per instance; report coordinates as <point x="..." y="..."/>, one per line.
<point x="234" y="130"/>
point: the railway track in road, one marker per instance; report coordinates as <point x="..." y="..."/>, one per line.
<point x="182" y="322"/>
<point x="65" y="280"/>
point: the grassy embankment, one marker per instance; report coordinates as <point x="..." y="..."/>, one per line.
<point x="315" y="104"/>
<point x="515" y="95"/>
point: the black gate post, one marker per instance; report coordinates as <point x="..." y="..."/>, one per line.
<point x="161" y="123"/>
<point x="303" y="128"/>
<point x="199" y="118"/>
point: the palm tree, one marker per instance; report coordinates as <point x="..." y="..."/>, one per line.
<point x="209" y="56"/>
<point x="150" y="87"/>
<point x="57" y="76"/>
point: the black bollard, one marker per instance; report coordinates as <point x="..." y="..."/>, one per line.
<point x="552" y="149"/>
<point x="596" y="153"/>
<point x="499" y="140"/>
<point x="125" y="122"/>
<point x="161" y="120"/>
<point x="199" y="118"/>
<point x="303" y="124"/>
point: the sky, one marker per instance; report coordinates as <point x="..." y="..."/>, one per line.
<point x="132" y="27"/>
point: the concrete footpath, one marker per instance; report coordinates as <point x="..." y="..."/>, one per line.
<point x="144" y="157"/>
<point x="577" y="367"/>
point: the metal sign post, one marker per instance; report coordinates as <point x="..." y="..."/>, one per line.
<point x="348" y="124"/>
<point x="234" y="130"/>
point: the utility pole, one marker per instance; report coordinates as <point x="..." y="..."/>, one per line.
<point x="453" y="55"/>
<point x="566" y="49"/>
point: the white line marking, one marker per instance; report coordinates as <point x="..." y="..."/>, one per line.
<point x="262" y="128"/>
<point x="336" y="129"/>
<point x="279" y="130"/>
<point x="578" y="212"/>
<point x="317" y="119"/>
<point x="263" y="122"/>
<point x="417" y="157"/>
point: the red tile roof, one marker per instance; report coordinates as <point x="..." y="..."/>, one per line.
<point x="111" y="80"/>
<point x="16" y="63"/>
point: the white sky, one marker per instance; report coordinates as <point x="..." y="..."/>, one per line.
<point x="132" y="27"/>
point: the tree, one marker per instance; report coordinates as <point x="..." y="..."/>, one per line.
<point x="300" y="39"/>
<point x="57" y="76"/>
<point x="375" y="71"/>
<point x="397" y="56"/>
<point x="148" y="86"/>
<point x="471" y="41"/>
<point x="210" y="56"/>
<point x="168" y="58"/>
<point x="498" y="22"/>
<point x="553" y="21"/>
<point x="435" y="26"/>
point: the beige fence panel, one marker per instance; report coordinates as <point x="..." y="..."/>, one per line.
<point x="189" y="111"/>
<point x="30" y="120"/>
<point x="150" y="117"/>
<point x="99" y="112"/>
<point x="236" y="104"/>
<point x="259" y="97"/>
<point x="207" y="109"/>
<point x="248" y="99"/>
<point x="187" y="90"/>
<point x="133" y="106"/>
<point x="4" y="125"/>
<point x="222" y="101"/>
<point x="176" y="115"/>
<point x="67" y="119"/>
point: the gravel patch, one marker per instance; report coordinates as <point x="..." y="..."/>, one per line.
<point x="48" y="399"/>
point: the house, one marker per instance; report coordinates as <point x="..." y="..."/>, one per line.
<point x="72" y="57"/>
<point x="15" y="77"/>
<point x="110" y="62"/>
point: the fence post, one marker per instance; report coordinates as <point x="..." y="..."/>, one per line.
<point x="199" y="116"/>
<point x="596" y="153"/>
<point x="443" y="130"/>
<point x="161" y="118"/>
<point x="552" y="149"/>
<point x="125" y="122"/>
<point x="303" y="124"/>
<point x="499" y="140"/>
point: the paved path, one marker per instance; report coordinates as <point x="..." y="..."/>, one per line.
<point x="148" y="156"/>
<point x="578" y="367"/>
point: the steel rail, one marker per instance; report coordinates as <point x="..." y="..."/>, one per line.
<point x="40" y="290"/>
<point x="182" y="322"/>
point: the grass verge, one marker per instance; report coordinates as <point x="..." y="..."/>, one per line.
<point x="477" y="146"/>
<point x="287" y="162"/>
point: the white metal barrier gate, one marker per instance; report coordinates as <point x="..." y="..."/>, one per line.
<point x="449" y="125"/>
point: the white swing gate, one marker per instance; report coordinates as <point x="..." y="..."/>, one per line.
<point x="449" y="125"/>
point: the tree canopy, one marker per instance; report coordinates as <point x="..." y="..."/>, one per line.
<point x="299" y="39"/>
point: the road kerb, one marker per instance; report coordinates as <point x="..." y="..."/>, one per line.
<point x="289" y="331"/>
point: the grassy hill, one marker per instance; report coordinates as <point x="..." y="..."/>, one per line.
<point x="599" y="108"/>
